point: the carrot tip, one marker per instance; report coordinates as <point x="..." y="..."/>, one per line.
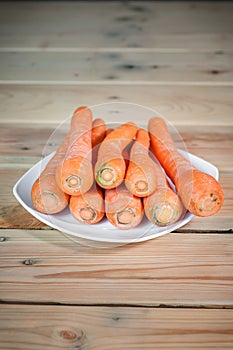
<point x="73" y="181"/>
<point x="125" y="216"/>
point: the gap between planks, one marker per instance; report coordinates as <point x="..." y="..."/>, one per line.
<point x="117" y="305"/>
<point x="112" y="49"/>
<point x="116" y="82"/>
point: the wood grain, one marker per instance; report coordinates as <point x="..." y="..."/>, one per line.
<point x="63" y="67"/>
<point x="32" y="327"/>
<point x="174" y="58"/>
<point x="173" y="270"/>
<point x="174" y="26"/>
<point x="189" y="105"/>
<point x="11" y="212"/>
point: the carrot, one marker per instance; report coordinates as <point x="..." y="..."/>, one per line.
<point x="141" y="173"/>
<point x="74" y="174"/>
<point x="200" y="193"/>
<point x="88" y="208"/>
<point x="97" y="136"/>
<point x="98" y="132"/>
<point x="123" y="210"/>
<point x="125" y="155"/>
<point x="125" y="152"/>
<point x="163" y="207"/>
<point x="108" y="131"/>
<point x="110" y="167"/>
<point x="46" y="195"/>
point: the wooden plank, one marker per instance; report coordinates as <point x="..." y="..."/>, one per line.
<point x="114" y="67"/>
<point x="161" y="25"/>
<point x="23" y="145"/>
<point x="189" y="105"/>
<point x="13" y="215"/>
<point x="11" y="212"/>
<point x="35" y="327"/>
<point x="173" y="270"/>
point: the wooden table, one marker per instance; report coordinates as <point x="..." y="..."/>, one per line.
<point x="174" y="292"/>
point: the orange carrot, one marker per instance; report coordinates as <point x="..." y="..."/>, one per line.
<point x="97" y="136"/>
<point x="88" y="208"/>
<point x="200" y="193"/>
<point x="125" y="155"/>
<point x="141" y="173"/>
<point x="46" y="195"/>
<point x="98" y="132"/>
<point x="123" y="210"/>
<point x="75" y="174"/>
<point x="108" y="131"/>
<point x="110" y="167"/>
<point x="125" y="152"/>
<point x="163" y="207"/>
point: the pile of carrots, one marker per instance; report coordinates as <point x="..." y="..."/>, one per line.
<point x="100" y="172"/>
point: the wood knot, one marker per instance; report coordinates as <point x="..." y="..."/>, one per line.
<point x="29" y="262"/>
<point x="215" y="71"/>
<point x="129" y="66"/>
<point x="110" y="77"/>
<point x="124" y="18"/>
<point x="2" y="239"/>
<point x="219" y="52"/>
<point x="68" y="335"/>
<point x="116" y="318"/>
<point x="138" y="9"/>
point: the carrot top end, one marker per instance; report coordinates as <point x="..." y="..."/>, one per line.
<point x="73" y="181"/>
<point x="88" y="214"/>
<point x="106" y="176"/>
<point x="208" y="204"/>
<point x="141" y="186"/>
<point x="164" y="215"/>
<point x="125" y="216"/>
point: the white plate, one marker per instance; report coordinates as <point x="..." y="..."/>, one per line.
<point x="103" y="231"/>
